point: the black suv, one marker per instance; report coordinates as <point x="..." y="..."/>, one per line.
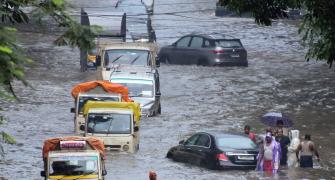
<point x="205" y="49"/>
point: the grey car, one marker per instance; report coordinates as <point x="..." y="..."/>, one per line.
<point x="205" y="49"/>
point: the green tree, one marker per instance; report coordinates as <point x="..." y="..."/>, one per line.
<point x="12" y="57"/>
<point x="317" y="26"/>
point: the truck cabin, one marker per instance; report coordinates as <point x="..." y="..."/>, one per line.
<point x="65" y="158"/>
<point x="110" y="122"/>
<point x="136" y="54"/>
<point x="113" y="28"/>
<point x="84" y="97"/>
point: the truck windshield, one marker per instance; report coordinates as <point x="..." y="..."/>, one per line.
<point x="83" y="100"/>
<point x="73" y="165"/>
<point x="126" y="56"/>
<point x="109" y="123"/>
<point x="137" y="88"/>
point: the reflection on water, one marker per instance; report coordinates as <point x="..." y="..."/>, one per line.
<point x="193" y="98"/>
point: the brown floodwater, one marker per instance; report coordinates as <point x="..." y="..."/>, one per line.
<point x="194" y="98"/>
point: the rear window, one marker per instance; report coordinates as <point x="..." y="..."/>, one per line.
<point x="235" y="143"/>
<point x="228" y="43"/>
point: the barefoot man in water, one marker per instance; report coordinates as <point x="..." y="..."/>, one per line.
<point x="307" y="149"/>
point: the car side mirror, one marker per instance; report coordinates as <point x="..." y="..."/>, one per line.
<point x="82" y="127"/>
<point x="158" y="63"/>
<point x="43" y="173"/>
<point x="72" y="110"/>
<point x="136" y="128"/>
<point x="174" y="44"/>
<point x="104" y="172"/>
<point x="181" y="142"/>
<point x="98" y="60"/>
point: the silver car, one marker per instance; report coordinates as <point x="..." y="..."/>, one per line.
<point x="143" y="85"/>
<point x="205" y="49"/>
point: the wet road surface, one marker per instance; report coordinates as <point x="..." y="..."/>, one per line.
<point x="194" y="98"/>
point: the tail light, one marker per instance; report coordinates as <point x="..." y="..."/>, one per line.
<point x="218" y="51"/>
<point x="222" y="157"/>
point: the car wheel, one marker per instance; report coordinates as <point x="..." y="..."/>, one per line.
<point x="166" y="59"/>
<point x="211" y="165"/>
<point x="246" y="64"/>
<point x="169" y="155"/>
<point x="202" y="62"/>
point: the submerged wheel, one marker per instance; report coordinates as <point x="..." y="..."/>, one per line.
<point x="166" y="59"/>
<point x="203" y="62"/>
<point x="159" y="111"/>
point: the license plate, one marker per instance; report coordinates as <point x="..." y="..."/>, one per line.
<point x="251" y="158"/>
<point x="235" y="55"/>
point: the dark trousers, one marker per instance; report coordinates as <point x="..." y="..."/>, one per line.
<point x="306" y="161"/>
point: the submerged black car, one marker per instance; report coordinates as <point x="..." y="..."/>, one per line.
<point x="216" y="151"/>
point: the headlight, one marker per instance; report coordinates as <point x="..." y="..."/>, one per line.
<point x="125" y="148"/>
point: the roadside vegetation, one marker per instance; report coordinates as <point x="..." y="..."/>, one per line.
<point x="13" y="58"/>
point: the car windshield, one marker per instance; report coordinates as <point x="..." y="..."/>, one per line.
<point x="137" y="88"/>
<point x="83" y="100"/>
<point x="126" y="56"/>
<point x="228" y="43"/>
<point x="235" y="143"/>
<point x="73" y="165"/>
<point x="109" y="123"/>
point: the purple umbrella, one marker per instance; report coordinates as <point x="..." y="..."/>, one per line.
<point x="271" y="119"/>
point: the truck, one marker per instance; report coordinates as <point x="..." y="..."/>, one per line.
<point x="73" y="158"/>
<point x="112" y="28"/>
<point x="95" y="91"/>
<point x="116" y="123"/>
<point x="136" y="54"/>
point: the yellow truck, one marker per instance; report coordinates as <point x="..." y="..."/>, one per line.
<point x="95" y="91"/>
<point x="73" y="158"/>
<point x="116" y="123"/>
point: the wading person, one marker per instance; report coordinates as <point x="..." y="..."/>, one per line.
<point x="295" y="141"/>
<point x="152" y="175"/>
<point x="249" y="134"/>
<point x="307" y="149"/>
<point x="269" y="155"/>
<point x="284" y="141"/>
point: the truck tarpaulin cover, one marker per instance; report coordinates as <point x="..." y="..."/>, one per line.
<point x="106" y="85"/>
<point x="54" y="144"/>
<point x="118" y="105"/>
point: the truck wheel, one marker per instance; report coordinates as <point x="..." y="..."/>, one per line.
<point x="159" y="111"/>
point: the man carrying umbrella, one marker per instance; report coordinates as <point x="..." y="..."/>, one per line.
<point x="277" y="120"/>
<point x="280" y="127"/>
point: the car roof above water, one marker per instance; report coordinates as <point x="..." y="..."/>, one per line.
<point x="218" y="134"/>
<point x="214" y="36"/>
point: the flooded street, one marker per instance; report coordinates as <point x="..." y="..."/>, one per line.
<point x="194" y="98"/>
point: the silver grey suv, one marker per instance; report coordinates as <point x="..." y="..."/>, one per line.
<point x="205" y="49"/>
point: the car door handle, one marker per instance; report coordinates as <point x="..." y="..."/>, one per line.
<point x="200" y="150"/>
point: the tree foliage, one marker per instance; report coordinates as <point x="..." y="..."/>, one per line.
<point x="12" y="57"/>
<point x="317" y="26"/>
